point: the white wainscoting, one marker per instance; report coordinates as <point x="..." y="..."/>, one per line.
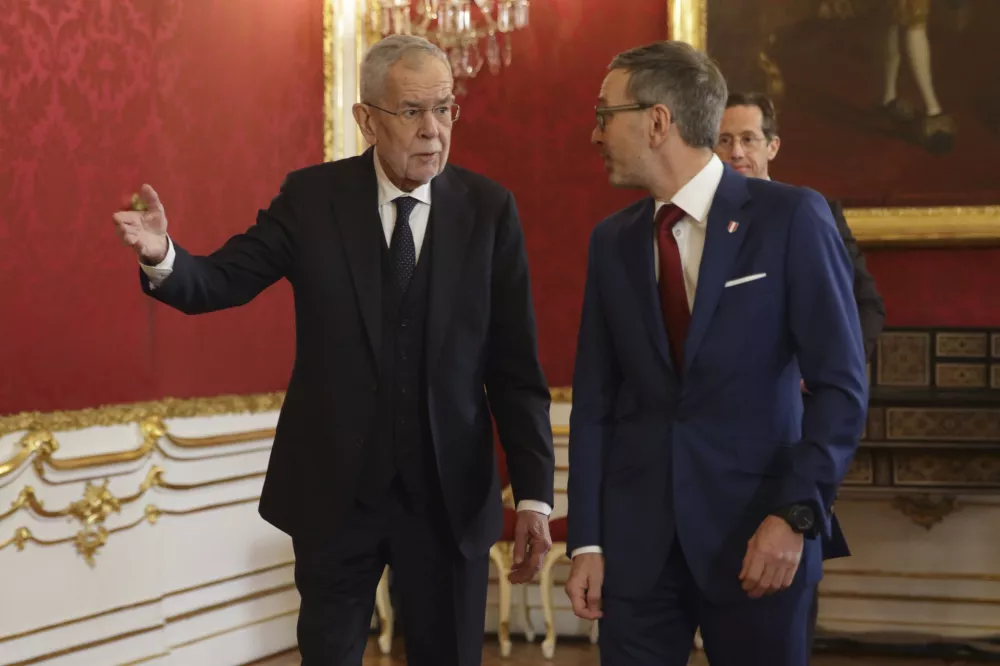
<point x="188" y="572"/>
<point x="906" y="583"/>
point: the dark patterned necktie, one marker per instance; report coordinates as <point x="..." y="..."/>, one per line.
<point x="402" y="251"/>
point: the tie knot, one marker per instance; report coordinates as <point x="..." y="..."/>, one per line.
<point x="404" y="206"/>
<point x="669" y="215"/>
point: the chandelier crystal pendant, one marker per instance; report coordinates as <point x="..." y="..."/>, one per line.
<point x="457" y="27"/>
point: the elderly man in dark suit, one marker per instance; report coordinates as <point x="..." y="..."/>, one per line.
<point x="415" y="325"/>
<point x="748" y="141"/>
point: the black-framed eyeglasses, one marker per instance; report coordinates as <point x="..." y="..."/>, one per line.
<point x="445" y="114"/>
<point x="604" y="112"/>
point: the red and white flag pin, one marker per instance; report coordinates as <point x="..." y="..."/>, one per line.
<point x="733" y="226"/>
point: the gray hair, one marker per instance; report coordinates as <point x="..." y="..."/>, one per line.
<point x="684" y="80"/>
<point x="387" y="52"/>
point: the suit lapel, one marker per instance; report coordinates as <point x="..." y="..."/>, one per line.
<point x="452" y="220"/>
<point x="721" y="248"/>
<point x="357" y="217"/>
<point x="637" y="253"/>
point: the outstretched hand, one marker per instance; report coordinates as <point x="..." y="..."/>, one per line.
<point x="145" y="231"/>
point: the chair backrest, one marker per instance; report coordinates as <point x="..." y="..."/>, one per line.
<point x="559" y="414"/>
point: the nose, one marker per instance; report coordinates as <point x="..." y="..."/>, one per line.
<point x="596" y="136"/>
<point x="429" y="126"/>
<point x="736" y="151"/>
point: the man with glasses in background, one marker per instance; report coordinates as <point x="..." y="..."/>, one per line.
<point x="414" y="322"/>
<point x="748" y="141"/>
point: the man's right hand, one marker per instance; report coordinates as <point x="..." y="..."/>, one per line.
<point x="145" y="231"/>
<point x="584" y="585"/>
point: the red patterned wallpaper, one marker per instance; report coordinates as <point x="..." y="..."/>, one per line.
<point x="529" y="128"/>
<point x="213" y="101"/>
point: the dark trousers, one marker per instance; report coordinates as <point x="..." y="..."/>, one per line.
<point x="658" y="629"/>
<point x="442" y="594"/>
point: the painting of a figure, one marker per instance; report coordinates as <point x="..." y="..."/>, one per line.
<point x="892" y="103"/>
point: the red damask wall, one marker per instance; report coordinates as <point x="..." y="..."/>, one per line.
<point x="212" y="102"/>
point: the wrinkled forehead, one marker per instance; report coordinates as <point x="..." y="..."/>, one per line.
<point x="614" y="89"/>
<point x="742" y="119"/>
<point x="419" y="80"/>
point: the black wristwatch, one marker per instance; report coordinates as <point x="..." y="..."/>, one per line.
<point x="800" y="517"/>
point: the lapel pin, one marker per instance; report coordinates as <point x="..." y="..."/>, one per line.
<point x="733" y="226"/>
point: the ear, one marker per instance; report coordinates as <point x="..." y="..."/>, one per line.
<point x="772" y="148"/>
<point x="363" y="117"/>
<point x="661" y="120"/>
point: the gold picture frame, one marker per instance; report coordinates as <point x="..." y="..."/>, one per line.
<point x="687" y="20"/>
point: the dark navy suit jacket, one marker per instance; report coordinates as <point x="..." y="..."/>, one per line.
<point x="707" y="457"/>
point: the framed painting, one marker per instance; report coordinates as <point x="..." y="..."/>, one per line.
<point x="890" y="106"/>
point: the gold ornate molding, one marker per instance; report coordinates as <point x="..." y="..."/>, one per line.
<point x="687" y="21"/>
<point x="926" y="510"/>
<point x="39" y="446"/>
<point x="98" y="502"/>
<point x="110" y="415"/>
<point x="91" y="538"/>
<point x="561" y="394"/>
<point x="332" y="106"/>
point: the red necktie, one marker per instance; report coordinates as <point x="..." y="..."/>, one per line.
<point x="673" y="293"/>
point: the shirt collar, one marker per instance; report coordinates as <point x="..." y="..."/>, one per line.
<point x="387" y="192"/>
<point x="695" y="198"/>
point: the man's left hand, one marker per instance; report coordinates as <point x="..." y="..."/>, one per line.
<point x="531" y="542"/>
<point x="773" y="556"/>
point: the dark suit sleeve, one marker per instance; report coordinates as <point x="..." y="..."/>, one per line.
<point x="234" y="274"/>
<point x="823" y="320"/>
<point x="871" y="309"/>
<point x="515" y="384"/>
<point x="596" y="381"/>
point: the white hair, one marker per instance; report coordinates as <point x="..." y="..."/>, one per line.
<point x="386" y="53"/>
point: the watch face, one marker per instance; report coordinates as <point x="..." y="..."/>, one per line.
<point x="802" y="517"/>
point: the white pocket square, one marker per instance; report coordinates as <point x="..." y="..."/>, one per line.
<point x="745" y="279"/>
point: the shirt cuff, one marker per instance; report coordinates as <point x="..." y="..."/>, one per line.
<point x="534" y="505"/>
<point x="161" y="271"/>
<point x="583" y="550"/>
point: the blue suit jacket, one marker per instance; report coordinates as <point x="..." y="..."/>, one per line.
<point x="708" y="457"/>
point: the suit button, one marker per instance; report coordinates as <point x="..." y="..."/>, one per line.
<point x="404" y="323"/>
<point x="360" y="442"/>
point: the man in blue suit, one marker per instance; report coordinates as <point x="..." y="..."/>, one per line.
<point x="701" y="478"/>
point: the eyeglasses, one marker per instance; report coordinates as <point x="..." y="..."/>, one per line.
<point x="747" y="141"/>
<point x="604" y="112"/>
<point x="445" y="114"/>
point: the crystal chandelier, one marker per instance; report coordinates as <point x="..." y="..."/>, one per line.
<point x="457" y="27"/>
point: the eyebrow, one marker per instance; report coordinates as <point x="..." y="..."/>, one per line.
<point x="417" y="105"/>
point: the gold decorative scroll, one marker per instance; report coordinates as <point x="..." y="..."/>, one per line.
<point x="687" y="20"/>
<point x="40" y="446"/>
<point x="98" y="502"/>
<point x="166" y="408"/>
<point x="89" y="540"/>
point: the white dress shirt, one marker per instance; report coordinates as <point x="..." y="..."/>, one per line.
<point x="695" y="199"/>
<point x="387" y="192"/>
